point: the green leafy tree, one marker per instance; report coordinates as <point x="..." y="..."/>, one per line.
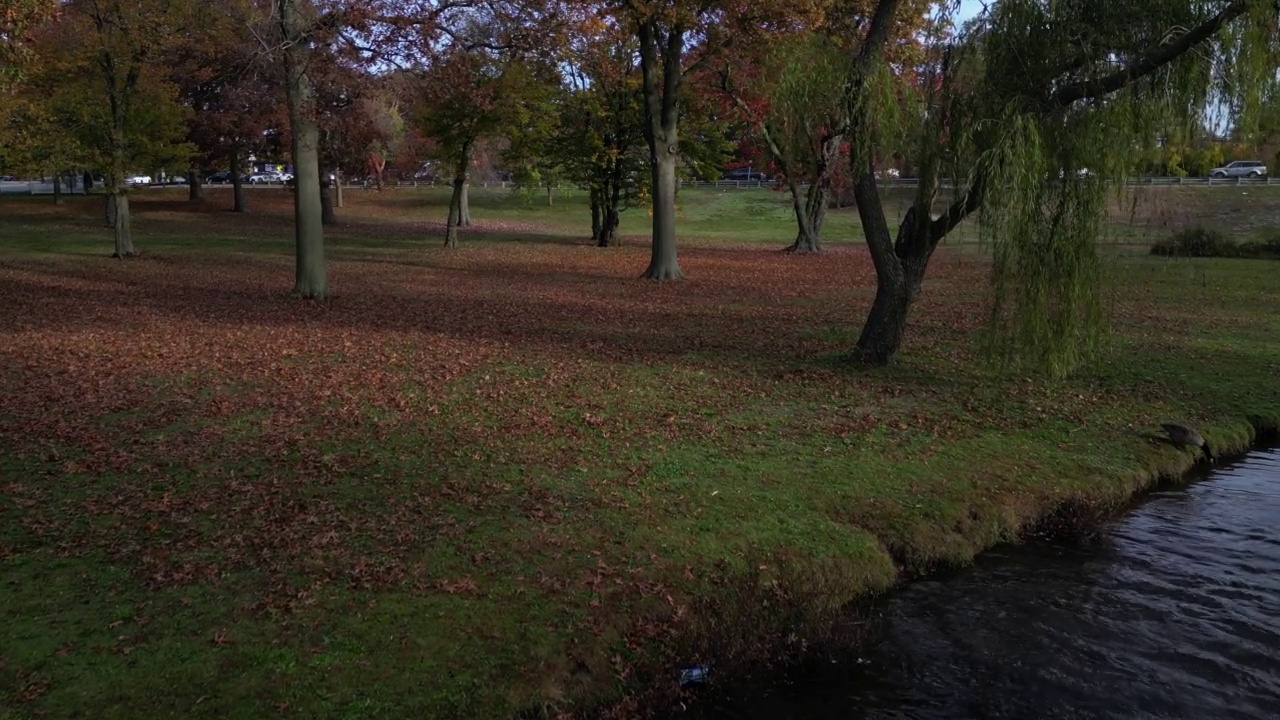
<point x="599" y="138"/>
<point x="488" y="83"/>
<point x="121" y="108"/>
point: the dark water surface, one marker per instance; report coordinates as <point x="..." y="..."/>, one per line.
<point x="1173" y="613"/>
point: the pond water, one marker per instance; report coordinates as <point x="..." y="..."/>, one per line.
<point x="1173" y="613"/>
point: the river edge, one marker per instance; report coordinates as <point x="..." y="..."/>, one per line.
<point x="736" y="658"/>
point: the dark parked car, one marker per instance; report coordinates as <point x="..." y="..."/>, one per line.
<point x="219" y="178"/>
<point x="745" y="175"/>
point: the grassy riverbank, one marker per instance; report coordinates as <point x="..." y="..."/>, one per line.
<point x="513" y="477"/>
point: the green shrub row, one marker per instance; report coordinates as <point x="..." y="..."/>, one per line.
<point x="1200" y="241"/>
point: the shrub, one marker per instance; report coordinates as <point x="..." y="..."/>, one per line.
<point x="1198" y="241"/>
<point x="1267" y="248"/>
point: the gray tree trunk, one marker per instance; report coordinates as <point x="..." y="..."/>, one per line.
<point x="663" y="263"/>
<point x="459" y="202"/>
<point x="455" y="214"/>
<point x="662" y="78"/>
<point x="337" y="179"/>
<point x="118" y="209"/>
<point x="195" y="186"/>
<point x="310" y="277"/>
<point x="57" y="190"/>
<point x="123" y="232"/>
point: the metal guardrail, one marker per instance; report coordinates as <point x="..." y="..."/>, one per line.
<point x="42" y="188"/>
<point x="914" y="182"/>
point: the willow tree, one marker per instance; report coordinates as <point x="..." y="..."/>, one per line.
<point x="1033" y="108"/>
<point x="789" y="94"/>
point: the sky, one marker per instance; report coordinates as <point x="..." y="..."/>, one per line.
<point x="968" y="8"/>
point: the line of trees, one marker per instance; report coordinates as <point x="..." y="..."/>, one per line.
<point x="624" y="97"/>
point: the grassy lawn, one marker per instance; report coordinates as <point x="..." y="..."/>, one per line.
<point x="513" y="478"/>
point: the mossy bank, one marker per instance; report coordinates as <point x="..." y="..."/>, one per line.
<point x="513" y="479"/>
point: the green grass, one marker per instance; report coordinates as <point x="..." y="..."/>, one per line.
<point x="513" y="478"/>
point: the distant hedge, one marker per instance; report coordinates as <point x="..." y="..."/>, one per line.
<point x="1200" y="241"/>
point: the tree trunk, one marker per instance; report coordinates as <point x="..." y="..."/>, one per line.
<point x="459" y="202"/>
<point x="551" y="195"/>
<point x="611" y="222"/>
<point x="57" y="190"/>
<point x="811" y="214"/>
<point x="337" y="179"/>
<point x="327" y="215"/>
<point x="118" y="207"/>
<point x="455" y="215"/>
<point x="88" y="182"/>
<point x="378" y="166"/>
<point x="663" y="263"/>
<point x="886" y="323"/>
<point x="806" y="239"/>
<point x="612" y="201"/>
<point x="310" y="276"/>
<point x="597" y="224"/>
<point x="109" y="211"/>
<point x="195" y="186"/>
<point x="237" y="184"/>
<point x="119" y="213"/>
<point x="661" y="81"/>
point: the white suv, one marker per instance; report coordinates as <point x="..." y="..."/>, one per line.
<point x="1241" y="168"/>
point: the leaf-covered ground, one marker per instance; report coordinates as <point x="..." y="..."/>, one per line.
<point x="513" y="477"/>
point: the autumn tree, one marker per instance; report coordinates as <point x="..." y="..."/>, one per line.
<point x="18" y="20"/>
<point x="387" y="137"/>
<point x="1026" y="97"/>
<point x="223" y="80"/>
<point x="676" y="39"/>
<point x="104" y="85"/>
<point x="358" y="116"/>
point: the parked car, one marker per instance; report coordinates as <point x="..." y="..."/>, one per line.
<point x="138" y="180"/>
<point x="745" y="175"/>
<point x="264" y="177"/>
<point x="1240" y="168"/>
<point x="221" y="177"/>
